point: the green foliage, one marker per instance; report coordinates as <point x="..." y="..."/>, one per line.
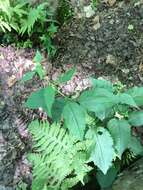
<point x="121" y="133"/>
<point x="94" y="3"/>
<point x="57" y="159"/>
<point x="21" y="186"/>
<point x="29" y="21"/>
<point x="106" y="181"/>
<point x="98" y="100"/>
<point x="102" y="152"/>
<point x="137" y="95"/>
<point x="99" y="122"/>
<point x="28" y="76"/>
<point x="43" y="98"/>
<point x="10" y="13"/>
<point x="102" y="84"/>
<point x="136" y="118"/>
<point x="76" y="122"/>
<point x="135" y="146"/>
<point x="67" y="76"/>
<point x="37" y="70"/>
<point x="32" y="17"/>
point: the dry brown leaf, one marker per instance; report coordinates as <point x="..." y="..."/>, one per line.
<point x="141" y="67"/>
<point x="111" y="60"/>
<point x="11" y="81"/>
<point x="110" y="2"/>
<point x="96" y="21"/>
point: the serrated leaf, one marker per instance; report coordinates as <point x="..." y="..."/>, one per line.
<point x="101" y="83"/>
<point x="106" y="181"/>
<point x="43" y="98"/>
<point x="127" y="99"/>
<point x="74" y="116"/>
<point x="121" y="133"/>
<point x="28" y="76"/>
<point x="99" y="101"/>
<point x="137" y="94"/>
<point x="67" y="76"/>
<point x="102" y="153"/>
<point x="136" y="118"/>
<point x="135" y="146"/>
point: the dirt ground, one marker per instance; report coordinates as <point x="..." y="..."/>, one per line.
<point x="109" y="45"/>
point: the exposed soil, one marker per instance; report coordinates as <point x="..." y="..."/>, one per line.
<point x="105" y="44"/>
<point x="109" y="44"/>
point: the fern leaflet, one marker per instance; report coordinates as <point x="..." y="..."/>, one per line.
<point x="56" y="158"/>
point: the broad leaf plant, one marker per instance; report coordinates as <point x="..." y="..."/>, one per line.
<point x="84" y="133"/>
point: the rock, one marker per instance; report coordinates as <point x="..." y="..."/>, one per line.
<point x="131" y="178"/>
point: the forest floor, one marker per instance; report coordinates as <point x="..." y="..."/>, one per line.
<point x="107" y="45"/>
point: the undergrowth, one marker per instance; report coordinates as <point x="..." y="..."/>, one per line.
<point x="32" y="23"/>
<point x="91" y="132"/>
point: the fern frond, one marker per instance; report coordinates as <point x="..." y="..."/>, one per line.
<point x="32" y="17"/>
<point x="5" y="6"/>
<point x="4" y="26"/>
<point x="56" y="157"/>
<point x="19" y="9"/>
<point x="69" y="183"/>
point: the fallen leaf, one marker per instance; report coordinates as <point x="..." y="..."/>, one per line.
<point x="110" y="59"/>
<point x="110" y="2"/>
<point x="89" y="12"/>
<point x="11" y="81"/>
<point x="96" y="22"/>
<point x="141" y="67"/>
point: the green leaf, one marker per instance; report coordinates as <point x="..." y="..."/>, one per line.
<point x="28" y="76"/>
<point x="45" y="187"/>
<point x="99" y="101"/>
<point x="102" y="153"/>
<point x="121" y="132"/>
<point x="136" y="118"/>
<point x="67" y="76"/>
<point x="74" y="116"/>
<point x="43" y="98"/>
<point x="52" y="28"/>
<point x="57" y="109"/>
<point x="106" y="181"/>
<point x="40" y="71"/>
<point x="34" y="14"/>
<point x="4" y="26"/>
<point x="137" y="94"/>
<point x="127" y="99"/>
<point x="135" y="146"/>
<point x="101" y="83"/>
<point x="38" y="57"/>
